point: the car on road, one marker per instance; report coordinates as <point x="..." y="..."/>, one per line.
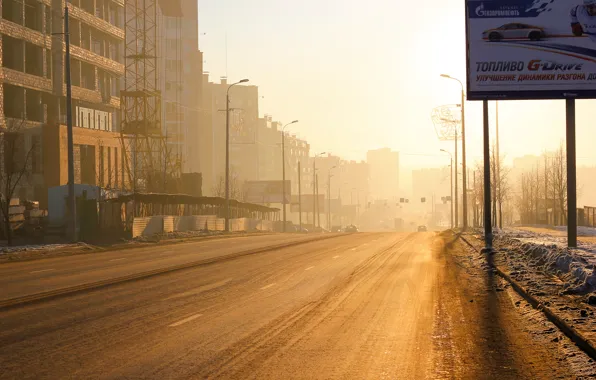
<point x="422" y="229"/>
<point x="514" y="31"/>
<point x="351" y="228"/>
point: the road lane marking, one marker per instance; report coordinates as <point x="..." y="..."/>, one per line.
<point x="267" y="286"/>
<point x="335" y="257"/>
<point x="188" y="319"/>
<point x="200" y="289"/>
<point x="309" y="268"/>
<point x="122" y="258"/>
<point x="43" y="270"/>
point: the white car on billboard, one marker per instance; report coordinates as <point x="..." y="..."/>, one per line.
<point x="514" y="31"/>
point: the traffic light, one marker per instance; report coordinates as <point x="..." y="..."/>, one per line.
<point x="423" y="199"/>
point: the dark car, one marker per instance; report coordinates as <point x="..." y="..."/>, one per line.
<point x="351" y="228"/>
<point x="422" y="229"/>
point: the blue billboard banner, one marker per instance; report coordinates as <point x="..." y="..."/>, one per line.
<point x="531" y="49"/>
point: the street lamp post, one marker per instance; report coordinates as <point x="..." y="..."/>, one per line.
<point x="451" y="186"/>
<point x="463" y="151"/>
<point x="283" y="169"/>
<point x="227" y="210"/>
<point x="329" y="195"/>
<point x="314" y="188"/>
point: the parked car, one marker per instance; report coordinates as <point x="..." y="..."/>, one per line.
<point x="422" y="229"/>
<point x="351" y="228"/>
<point x="514" y="31"/>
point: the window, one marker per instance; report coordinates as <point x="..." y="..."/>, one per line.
<point x="12" y="10"/>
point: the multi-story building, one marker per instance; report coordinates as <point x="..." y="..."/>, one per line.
<point x="269" y="154"/>
<point x="384" y="173"/>
<point x="355" y="182"/>
<point x="32" y="87"/>
<point x="244" y="111"/>
<point x="180" y="77"/>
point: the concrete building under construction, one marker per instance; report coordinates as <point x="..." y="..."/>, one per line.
<point x="32" y="88"/>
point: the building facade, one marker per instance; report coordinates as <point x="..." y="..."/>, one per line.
<point x="244" y="120"/>
<point x="32" y="81"/>
<point x="180" y="81"/>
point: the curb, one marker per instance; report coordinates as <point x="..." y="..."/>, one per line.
<point x="90" y="248"/>
<point x="584" y="344"/>
<point x="43" y="296"/>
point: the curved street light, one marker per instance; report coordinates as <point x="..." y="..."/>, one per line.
<point x="283" y="170"/>
<point x="463" y="139"/>
<point x="227" y="210"/>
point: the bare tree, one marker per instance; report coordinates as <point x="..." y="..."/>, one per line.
<point x="219" y="188"/>
<point x="15" y="166"/>
<point x="559" y="185"/>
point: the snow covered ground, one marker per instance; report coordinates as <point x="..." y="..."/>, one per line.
<point x="576" y="267"/>
<point x="562" y="279"/>
<point x="39" y="247"/>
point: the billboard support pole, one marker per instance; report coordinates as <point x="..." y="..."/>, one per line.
<point x="488" y="233"/>
<point x="455" y="170"/>
<point x="571" y="174"/>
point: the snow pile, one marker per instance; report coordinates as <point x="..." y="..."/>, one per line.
<point x="39" y="247"/>
<point x="576" y="266"/>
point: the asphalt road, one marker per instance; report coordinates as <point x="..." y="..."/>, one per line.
<point x="366" y="305"/>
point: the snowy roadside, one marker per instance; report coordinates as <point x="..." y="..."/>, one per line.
<point x="562" y="279"/>
<point x="33" y="252"/>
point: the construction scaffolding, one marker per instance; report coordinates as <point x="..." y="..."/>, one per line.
<point x="147" y="164"/>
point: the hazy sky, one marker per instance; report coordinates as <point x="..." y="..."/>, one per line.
<point x="365" y="74"/>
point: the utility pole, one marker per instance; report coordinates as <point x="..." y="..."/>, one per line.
<point x="69" y="132"/>
<point x="475" y="205"/>
<point x="314" y="192"/>
<point x="317" y="201"/>
<point x="299" y="197"/>
<point x="283" y="169"/>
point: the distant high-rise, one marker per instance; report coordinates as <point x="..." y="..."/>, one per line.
<point x="384" y="173"/>
<point x="181" y="71"/>
<point x="244" y="116"/>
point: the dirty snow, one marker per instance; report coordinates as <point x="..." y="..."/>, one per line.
<point x="38" y="247"/>
<point x="576" y="267"/>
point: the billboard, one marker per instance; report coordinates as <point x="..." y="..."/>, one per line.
<point x="530" y="49"/>
<point x="264" y="192"/>
<point x="308" y="203"/>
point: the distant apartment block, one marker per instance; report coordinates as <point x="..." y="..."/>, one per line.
<point x="244" y="111"/>
<point x="384" y="173"/>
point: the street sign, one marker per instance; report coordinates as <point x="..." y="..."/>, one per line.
<point x="530" y="49"/>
